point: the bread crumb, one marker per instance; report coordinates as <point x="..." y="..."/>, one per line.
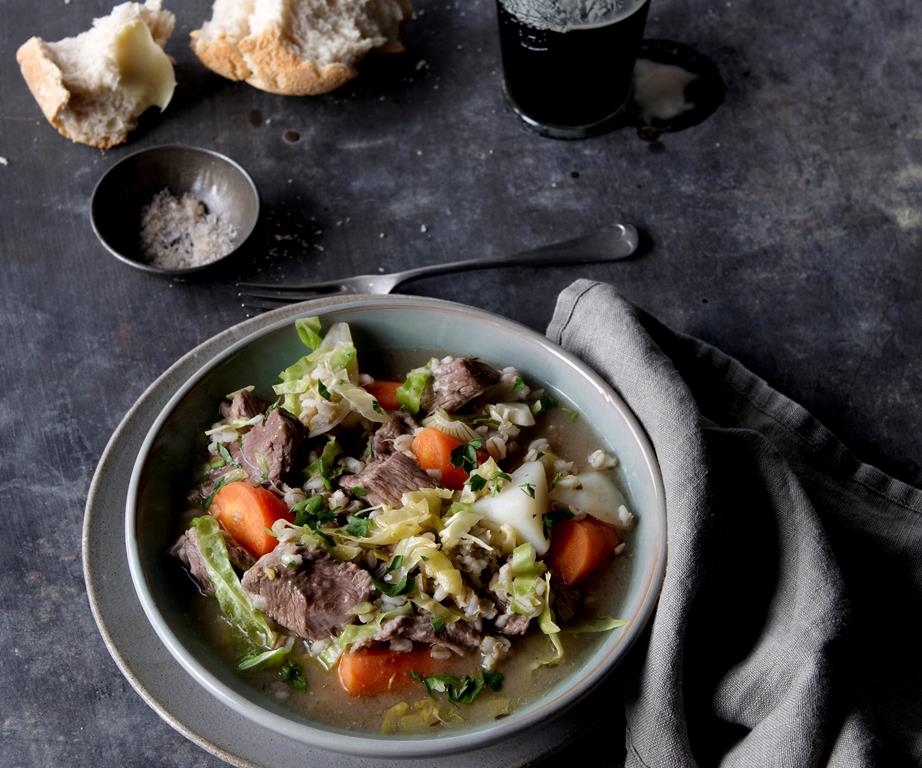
<point x="180" y="233"/>
<point x="4" y="161"/>
<point x="423" y="228"/>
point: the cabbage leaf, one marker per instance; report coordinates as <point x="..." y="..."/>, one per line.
<point x="410" y="393"/>
<point x="234" y="601"/>
<point x="548" y="627"/>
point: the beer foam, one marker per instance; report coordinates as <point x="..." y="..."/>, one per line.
<point x="568" y="15"/>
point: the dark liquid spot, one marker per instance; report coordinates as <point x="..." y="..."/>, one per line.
<point x="656" y="146"/>
<point x="292" y="137"/>
<point x="574" y="174"/>
<point x="256" y="118"/>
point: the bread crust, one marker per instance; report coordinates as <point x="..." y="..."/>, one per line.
<point x="277" y="69"/>
<point x="266" y="61"/>
<point x="45" y="80"/>
<point x="220" y="55"/>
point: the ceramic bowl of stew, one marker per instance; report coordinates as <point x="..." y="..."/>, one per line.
<point x="393" y="334"/>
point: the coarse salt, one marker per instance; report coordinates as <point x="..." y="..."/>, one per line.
<point x="180" y="233"/>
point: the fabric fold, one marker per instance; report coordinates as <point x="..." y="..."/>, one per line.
<point x="783" y="635"/>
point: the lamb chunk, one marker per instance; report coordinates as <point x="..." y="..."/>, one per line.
<point x="387" y="479"/>
<point x="456" y="383"/>
<point x="273" y="449"/>
<point x="244" y="405"/>
<point x="382" y="442"/>
<point x="511" y="624"/>
<point x="457" y="636"/>
<point x="186" y="549"/>
<point x="314" y="599"/>
<point x="565" y="600"/>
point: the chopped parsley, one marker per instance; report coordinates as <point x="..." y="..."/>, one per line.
<point x="312" y="511"/>
<point x="438" y="624"/>
<point x="497" y="479"/>
<point x="476" y="482"/>
<point x="402" y="587"/>
<point x="550" y="519"/>
<point x="493" y="680"/>
<point x="528" y="489"/>
<point x="465" y="456"/>
<point x="375" y="407"/>
<point x="519" y="384"/>
<point x="325" y="466"/>
<point x="290" y="672"/>
<point x="357" y="490"/>
<point x="358" y="526"/>
<point x="543" y="403"/>
<point x="460" y="690"/>
<point x="225" y="454"/>
<point x="222" y="481"/>
<point x="323" y="391"/>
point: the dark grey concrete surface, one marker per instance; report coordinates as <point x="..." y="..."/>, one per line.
<point x="785" y="229"/>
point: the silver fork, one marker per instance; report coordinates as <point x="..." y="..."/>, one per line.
<point x="610" y="244"/>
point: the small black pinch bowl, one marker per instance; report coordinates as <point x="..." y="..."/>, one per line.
<point x="222" y="185"/>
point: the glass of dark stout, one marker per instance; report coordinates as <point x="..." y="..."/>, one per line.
<point x="568" y="64"/>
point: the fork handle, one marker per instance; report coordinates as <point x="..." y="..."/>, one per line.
<point x="611" y="244"/>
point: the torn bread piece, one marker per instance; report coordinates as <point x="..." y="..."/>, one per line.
<point x="297" y="47"/>
<point x="93" y="87"/>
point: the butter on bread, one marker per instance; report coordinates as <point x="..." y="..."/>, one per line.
<point x="94" y="86"/>
<point x="297" y="47"/>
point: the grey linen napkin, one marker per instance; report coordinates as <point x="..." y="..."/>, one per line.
<point x="786" y="632"/>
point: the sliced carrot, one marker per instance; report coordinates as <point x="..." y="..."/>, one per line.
<point x="247" y="511"/>
<point x="376" y="670"/>
<point x="433" y="451"/>
<point x="385" y="392"/>
<point x="579" y="547"/>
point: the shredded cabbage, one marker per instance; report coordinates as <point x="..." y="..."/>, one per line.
<point x="334" y="353"/>
<point x="457" y="525"/>
<point x="515" y="413"/>
<point x="410" y="393"/>
<point x="422" y="714"/>
<point x="517" y="584"/>
<point x="423" y="552"/>
<point x="455" y="428"/>
<point x="439" y="611"/>
<point x="257" y="659"/>
<point x="494" y="480"/>
<point x="421" y="511"/>
<point x="234" y="602"/>
<point x="354" y="633"/>
<point x="308" y="329"/>
<point x="595" y="625"/>
<point x="361" y="401"/>
<point x="546" y="624"/>
<point x="323" y="466"/>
